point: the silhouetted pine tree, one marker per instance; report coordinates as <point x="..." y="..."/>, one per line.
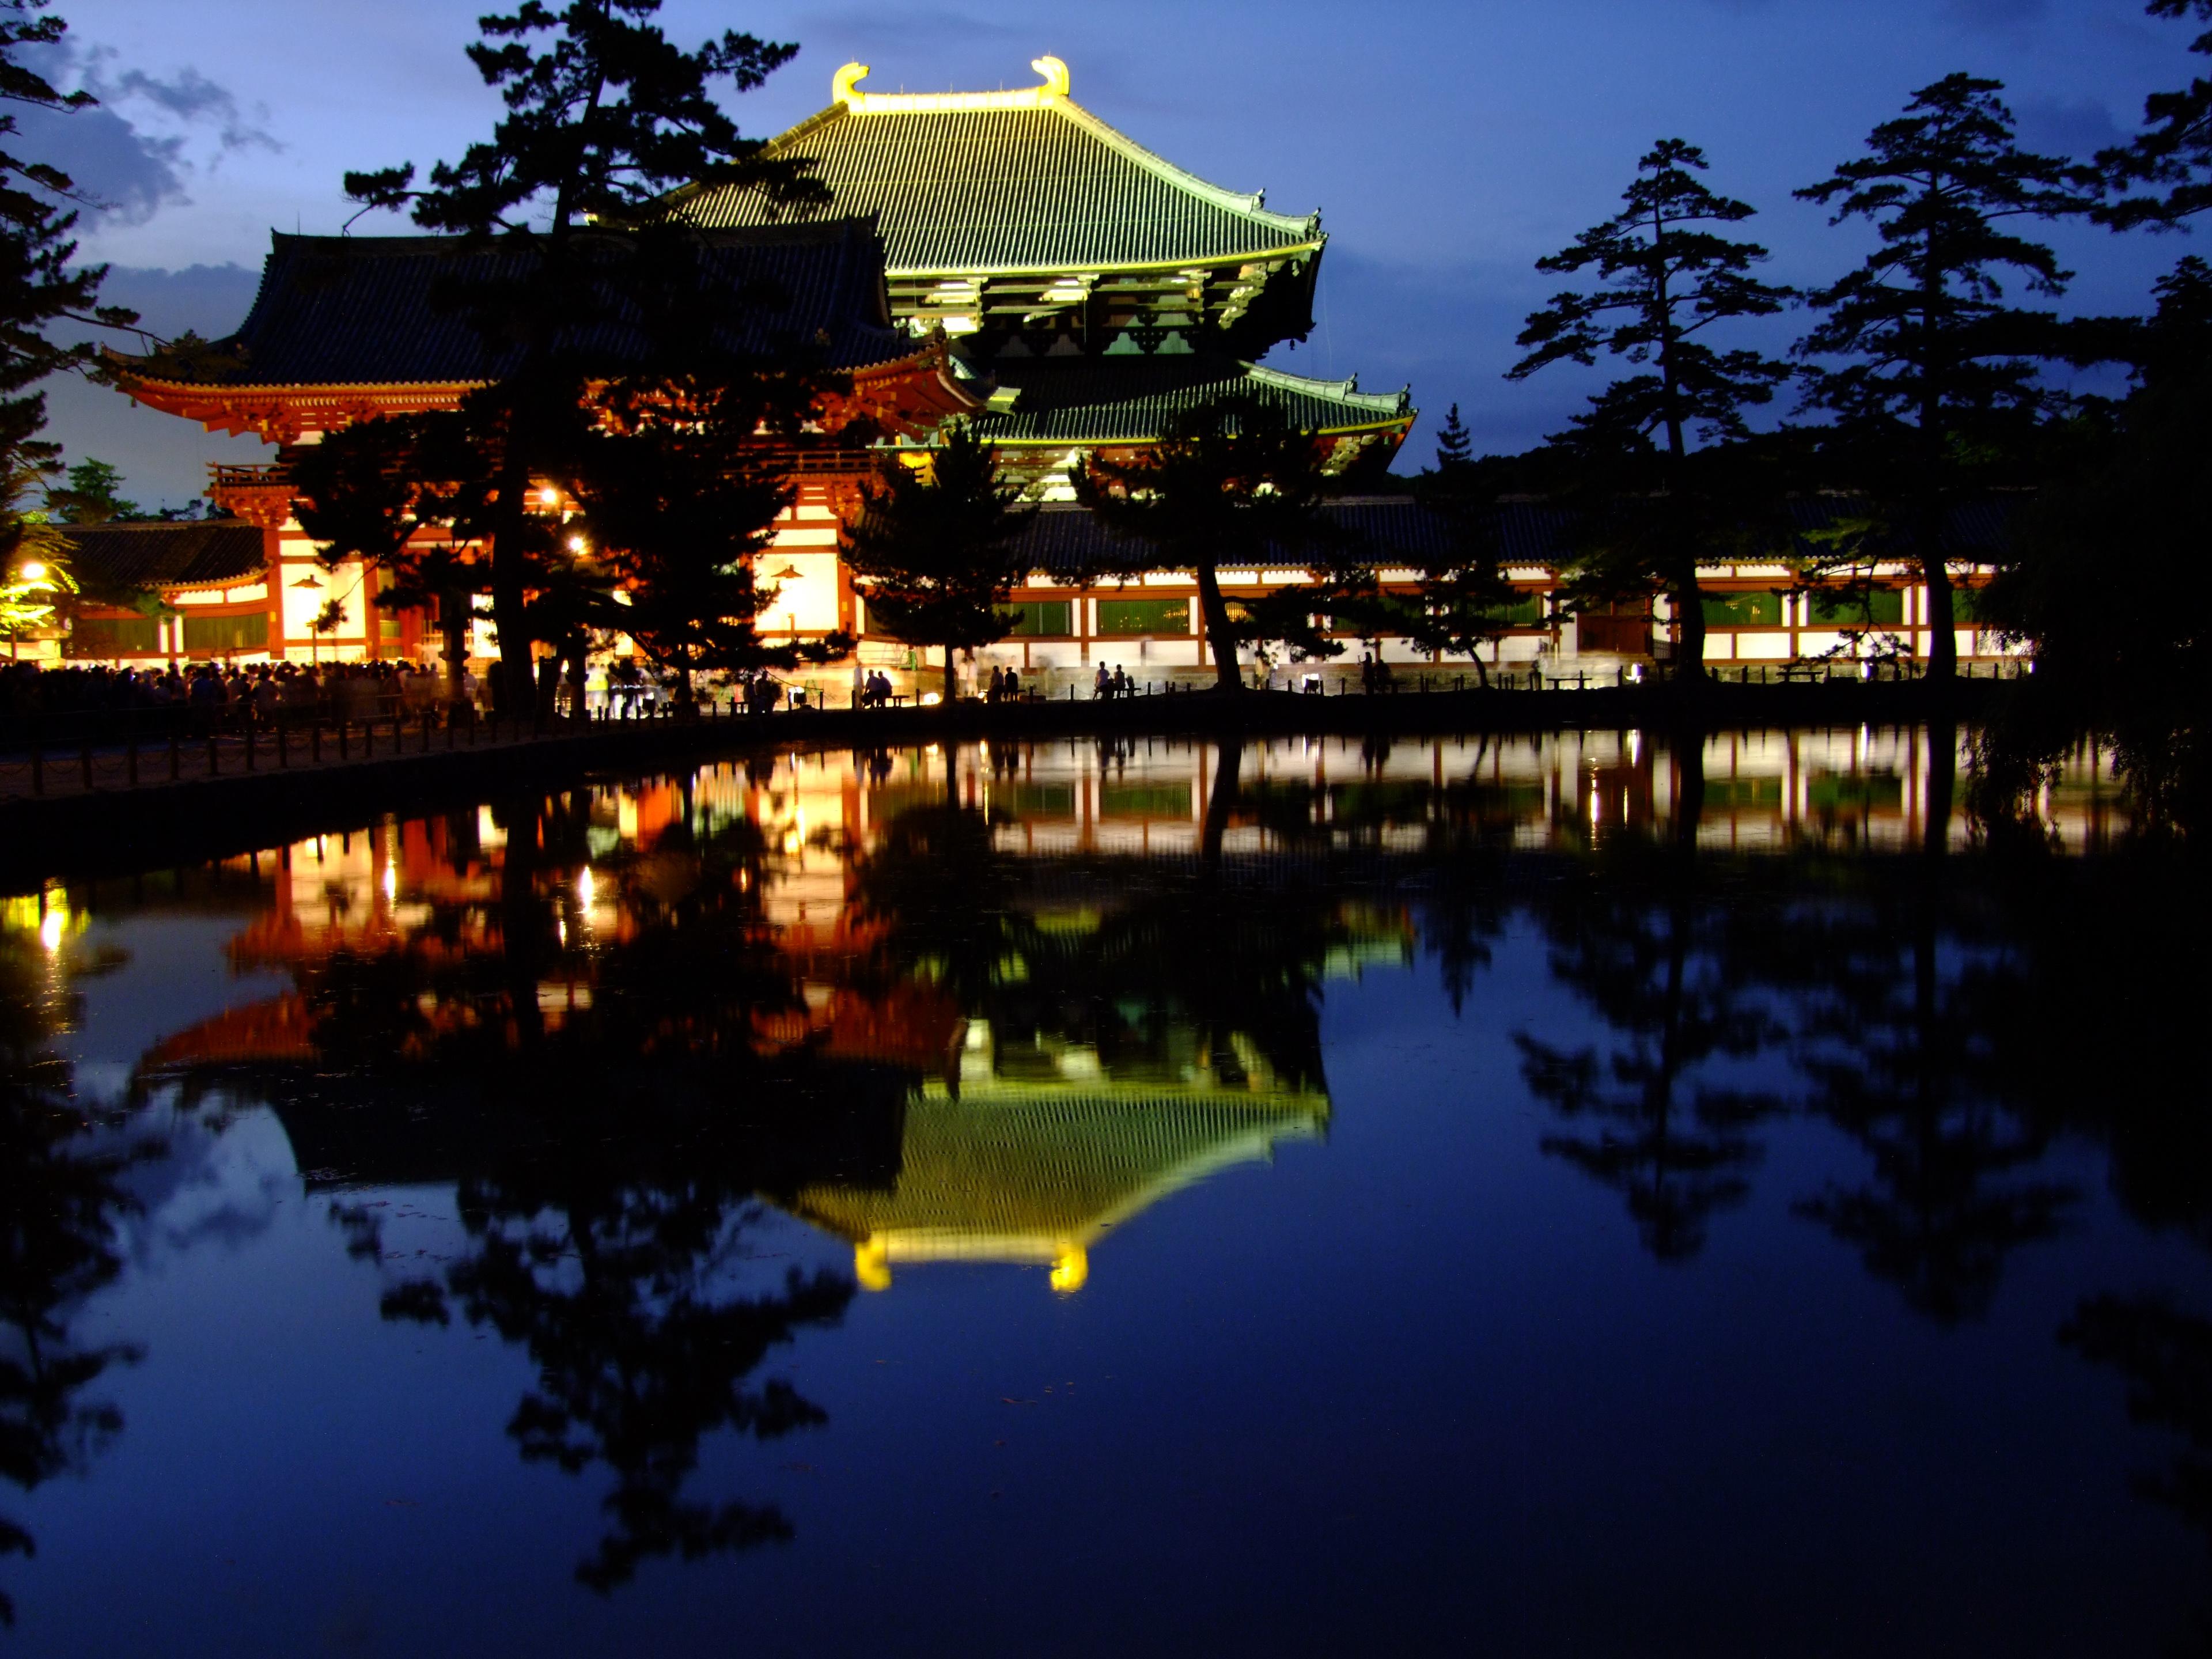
<point x="1937" y="367"/>
<point x="1661" y="275"/>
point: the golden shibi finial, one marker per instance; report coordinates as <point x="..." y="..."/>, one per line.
<point x="871" y="1263"/>
<point x="845" y="89"/>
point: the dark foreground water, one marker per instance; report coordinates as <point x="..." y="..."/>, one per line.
<point x="1577" y="1197"/>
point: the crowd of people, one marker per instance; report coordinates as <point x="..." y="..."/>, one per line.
<point x="232" y="693"/>
<point x="223" y="693"/>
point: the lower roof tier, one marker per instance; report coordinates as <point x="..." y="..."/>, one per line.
<point x="1057" y="405"/>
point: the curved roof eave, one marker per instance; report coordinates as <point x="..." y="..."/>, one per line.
<point x="1287" y="251"/>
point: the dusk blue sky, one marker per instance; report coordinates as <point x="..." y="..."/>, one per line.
<point x="1446" y="145"/>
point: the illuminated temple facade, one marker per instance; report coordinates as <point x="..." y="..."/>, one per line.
<point x="1002" y="257"/>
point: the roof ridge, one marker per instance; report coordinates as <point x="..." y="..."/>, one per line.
<point x="851" y="103"/>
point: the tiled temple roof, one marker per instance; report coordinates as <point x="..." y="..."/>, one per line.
<point x="372" y="310"/>
<point x="973" y="183"/>
<point x="1131" y="399"/>
<point x="221" y="553"/>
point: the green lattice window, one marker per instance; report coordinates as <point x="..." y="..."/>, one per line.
<point x="1737" y="794"/>
<point x="1884" y="607"/>
<point x="216" y="634"/>
<point x="1034" y="801"/>
<point x="114" y="636"/>
<point x="1041" y="618"/>
<point x="1144" y="616"/>
<point x="1748" y="610"/>
<point x="1526" y="611"/>
<point x="1144" y="800"/>
<point x="1854" y="792"/>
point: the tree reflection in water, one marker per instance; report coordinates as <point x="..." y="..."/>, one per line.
<point x="1903" y="1001"/>
<point x="61" y="1200"/>
<point x="2165" y="1355"/>
<point x="609" y="1161"/>
<point x="1669" y="968"/>
<point x="1896" y="1045"/>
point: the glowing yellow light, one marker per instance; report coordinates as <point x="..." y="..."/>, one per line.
<point x="929" y="699"/>
<point x="391" y="882"/>
<point x="51" y="927"/>
<point x="34" y="571"/>
<point x="1070" y="1268"/>
<point x="549" y="496"/>
<point x="576" y="544"/>
<point x="584" y="887"/>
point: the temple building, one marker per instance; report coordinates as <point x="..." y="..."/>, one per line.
<point x="1095" y="287"/>
<point x="345" y="328"/>
<point x="1006" y="258"/>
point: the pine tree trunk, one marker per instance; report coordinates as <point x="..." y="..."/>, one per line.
<point x="952" y="678"/>
<point x="578" y="648"/>
<point x="453" y="608"/>
<point x="514" y="689"/>
<point x="1689" y="605"/>
<point x="1689" y="786"/>
<point x="1943" y="786"/>
<point x="1220" y="636"/>
<point x="1223" y="800"/>
<point x="1942" y="623"/>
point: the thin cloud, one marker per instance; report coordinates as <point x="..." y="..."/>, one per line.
<point x="133" y="155"/>
<point x="189" y="97"/>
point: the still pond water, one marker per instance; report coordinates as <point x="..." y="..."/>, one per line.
<point x="1560" y="1197"/>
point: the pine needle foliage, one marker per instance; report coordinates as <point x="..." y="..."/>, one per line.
<point x="932" y="550"/>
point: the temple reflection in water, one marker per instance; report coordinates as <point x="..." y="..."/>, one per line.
<point x="1042" y="960"/>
